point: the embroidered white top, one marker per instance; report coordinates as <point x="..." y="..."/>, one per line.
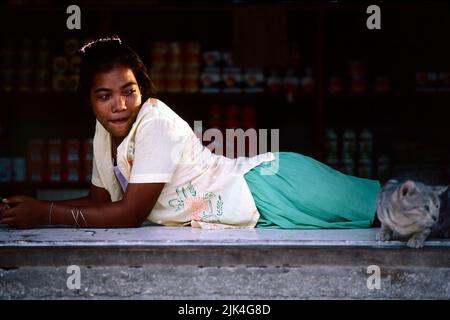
<point x="202" y="189"/>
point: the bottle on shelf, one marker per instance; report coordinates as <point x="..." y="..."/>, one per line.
<point x="307" y="82"/>
<point x="383" y="168"/>
<point x="358" y="77"/>
<point x="336" y="85"/>
<point x="348" y="152"/>
<point x="365" y="152"/>
<point x="332" y="153"/>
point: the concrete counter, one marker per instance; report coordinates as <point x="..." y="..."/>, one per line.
<point x="186" y="263"/>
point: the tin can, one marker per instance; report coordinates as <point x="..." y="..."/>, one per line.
<point x="60" y="64"/>
<point x="60" y="82"/>
<point x="191" y="54"/>
<point x="174" y="58"/>
<point x="174" y="79"/>
<point x="159" y="78"/>
<point x="232" y="80"/>
<point x="210" y="80"/>
<point x="159" y="54"/>
<point x="71" y="46"/>
<point x="191" y="79"/>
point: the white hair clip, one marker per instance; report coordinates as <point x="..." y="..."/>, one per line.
<point x="91" y="43"/>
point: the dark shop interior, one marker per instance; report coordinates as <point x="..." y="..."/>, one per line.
<point x="370" y="102"/>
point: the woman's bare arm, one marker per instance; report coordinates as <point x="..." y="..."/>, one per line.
<point x="131" y="211"/>
<point x="96" y="195"/>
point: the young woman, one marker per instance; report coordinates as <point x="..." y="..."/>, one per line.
<point x="149" y="164"/>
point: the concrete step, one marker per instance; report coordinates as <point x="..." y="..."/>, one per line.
<point x="186" y="263"/>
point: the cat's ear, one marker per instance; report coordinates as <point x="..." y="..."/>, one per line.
<point x="439" y="189"/>
<point x="408" y="188"/>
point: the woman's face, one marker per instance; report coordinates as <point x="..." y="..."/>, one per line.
<point x="116" y="100"/>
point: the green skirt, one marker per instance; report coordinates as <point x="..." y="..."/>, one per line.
<point x="298" y="192"/>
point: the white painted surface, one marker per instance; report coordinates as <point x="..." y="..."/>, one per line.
<point x="186" y="236"/>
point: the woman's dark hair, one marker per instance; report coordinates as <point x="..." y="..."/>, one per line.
<point x="104" y="54"/>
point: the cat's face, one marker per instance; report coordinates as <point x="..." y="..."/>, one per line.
<point x="419" y="203"/>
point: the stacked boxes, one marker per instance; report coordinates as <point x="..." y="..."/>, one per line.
<point x="54" y="160"/>
<point x="175" y="66"/>
<point x="72" y="160"/>
<point x="58" y="160"/>
<point x="433" y="81"/>
<point x="235" y="117"/>
<point x="28" y="65"/>
<point x="66" y="67"/>
<point x="36" y="160"/>
<point x="358" y="81"/>
<point x="183" y="67"/>
<point x="211" y="76"/>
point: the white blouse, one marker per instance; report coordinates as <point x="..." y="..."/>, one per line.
<point x="201" y="189"/>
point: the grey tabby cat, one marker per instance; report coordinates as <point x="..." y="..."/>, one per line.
<point x="412" y="209"/>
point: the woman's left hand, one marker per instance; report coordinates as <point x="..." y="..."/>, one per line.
<point x="24" y="212"/>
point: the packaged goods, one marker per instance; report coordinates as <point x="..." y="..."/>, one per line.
<point x="174" y="79"/>
<point x="210" y="80"/>
<point x="71" y="46"/>
<point x="336" y="85"/>
<point x="254" y="80"/>
<point x="174" y="57"/>
<point x="365" y="143"/>
<point x="87" y="158"/>
<point x="158" y="75"/>
<point x="5" y="169"/>
<point x="19" y="169"/>
<point x="159" y="54"/>
<point x="307" y="82"/>
<point x="36" y="160"/>
<point x="191" y="54"/>
<point x="382" y="85"/>
<point x="212" y="58"/>
<point x="60" y="64"/>
<point x="191" y="79"/>
<point x="274" y="81"/>
<point x="54" y="160"/>
<point x="331" y="148"/>
<point x="232" y="80"/>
